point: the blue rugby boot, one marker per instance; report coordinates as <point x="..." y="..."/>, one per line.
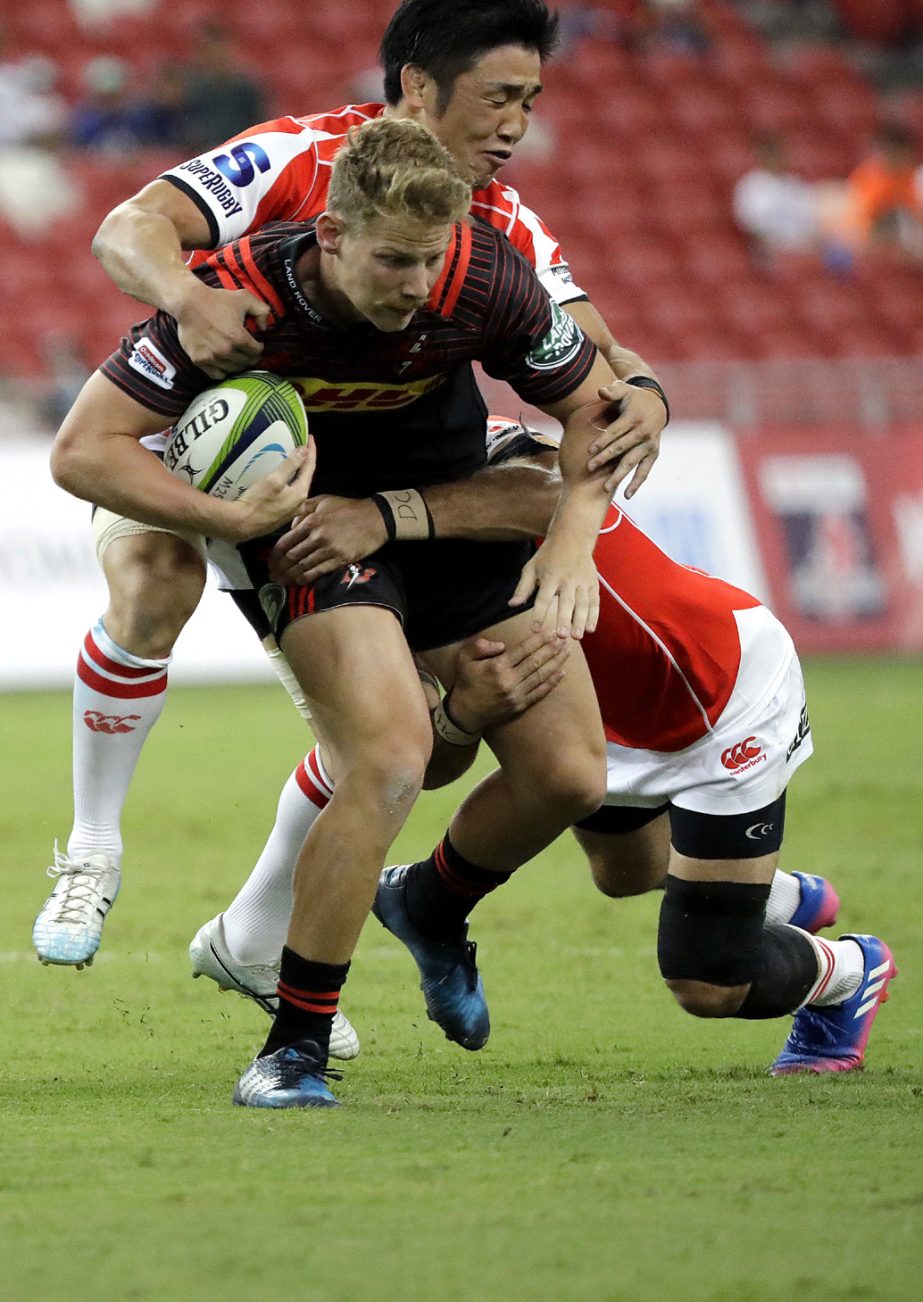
<point x="833" y="1038"/>
<point x="818" y="906"/>
<point x="450" y="980"/>
<point x="292" y="1077"/>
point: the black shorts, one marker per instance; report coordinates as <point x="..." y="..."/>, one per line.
<point x="441" y="591"/>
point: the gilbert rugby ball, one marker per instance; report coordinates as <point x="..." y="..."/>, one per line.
<point x="235" y="433"/>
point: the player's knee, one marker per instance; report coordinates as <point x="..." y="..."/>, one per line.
<point x="392" y="774"/>
<point x="709" y="942"/>
<point x="704" y="1000"/>
<point x="612" y="879"/>
<point x="576" y="786"/>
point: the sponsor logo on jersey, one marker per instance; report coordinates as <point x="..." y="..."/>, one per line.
<point x="562" y="271"/>
<point x="329" y="395"/>
<point x="213" y="182"/>
<point x="110" y="723"/>
<point x="560" y="345"/>
<point x="147" y="358"/>
<point x="804" y="727"/>
<point x="744" y="755"/>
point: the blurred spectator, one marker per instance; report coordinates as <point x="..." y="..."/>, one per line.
<point x="99" y="13"/>
<point x="222" y="99"/>
<point x="66" y="372"/>
<point x="162" y="115"/>
<point x="597" y="21"/>
<point x="35" y="190"/>
<point x="673" y="26"/>
<point x="774" y="207"/>
<point x="885" y="200"/>
<point x="105" y="119"/>
<point x="31" y="110"/>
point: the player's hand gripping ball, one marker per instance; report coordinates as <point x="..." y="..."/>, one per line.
<point x="233" y="434"/>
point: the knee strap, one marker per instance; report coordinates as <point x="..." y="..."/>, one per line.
<point x="711" y="931"/>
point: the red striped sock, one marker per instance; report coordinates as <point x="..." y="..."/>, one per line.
<point x="118" y="697"/>
<point x="309" y="995"/>
<point x="443" y="889"/>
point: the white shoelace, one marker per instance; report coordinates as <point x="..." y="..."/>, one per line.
<point x="80" y="895"/>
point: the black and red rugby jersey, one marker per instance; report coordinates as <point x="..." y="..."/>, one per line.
<point x="386" y="409"/>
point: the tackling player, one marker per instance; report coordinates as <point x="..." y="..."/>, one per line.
<point x="703" y="706"/>
<point x="387" y="283"/>
<point x="470" y="73"/>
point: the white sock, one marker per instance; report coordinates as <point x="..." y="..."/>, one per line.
<point x="256" y="922"/>
<point x="840" y="969"/>
<point x="118" y="697"/>
<point x="784" y="897"/>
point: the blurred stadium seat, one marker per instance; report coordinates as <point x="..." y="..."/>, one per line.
<point x="641" y="206"/>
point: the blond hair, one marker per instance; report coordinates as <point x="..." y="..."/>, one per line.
<point x="394" y="167"/>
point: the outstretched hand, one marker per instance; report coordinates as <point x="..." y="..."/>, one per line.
<point x="276" y="498"/>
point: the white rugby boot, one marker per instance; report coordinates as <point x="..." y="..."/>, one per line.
<point x="70" y="922"/>
<point x="210" y="956"/>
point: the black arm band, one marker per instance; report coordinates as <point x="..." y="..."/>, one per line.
<point x="387" y="515"/>
<point x="405" y="513"/>
<point x="647" y="382"/>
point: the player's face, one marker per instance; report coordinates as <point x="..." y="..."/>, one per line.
<point x="387" y="269"/>
<point x="488" y="113"/>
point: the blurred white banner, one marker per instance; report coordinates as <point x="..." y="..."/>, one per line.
<point x="51" y="589"/>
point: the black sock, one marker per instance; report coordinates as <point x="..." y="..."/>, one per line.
<point x="443" y="889"/>
<point x="308" y="997"/>
<point x="788" y="970"/>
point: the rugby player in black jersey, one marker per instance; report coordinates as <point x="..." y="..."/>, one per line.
<point x="471" y="74"/>
<point x="366" y="300"/>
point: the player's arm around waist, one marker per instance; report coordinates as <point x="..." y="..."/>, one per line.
<point x="97" y="456"/>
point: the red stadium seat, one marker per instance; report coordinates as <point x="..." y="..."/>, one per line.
<point x="717" y="259"/>
<point x="883" y="22"/>
<point x="759" y="307"/>
<point x="849" y="110"/>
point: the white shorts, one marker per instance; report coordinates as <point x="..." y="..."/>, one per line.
<point x="107" y="526"/>
<point x="746" y="761"/>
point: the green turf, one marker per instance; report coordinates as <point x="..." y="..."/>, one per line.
<point x="603" y="1145"/>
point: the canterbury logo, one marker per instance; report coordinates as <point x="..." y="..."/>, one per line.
<point x="742" y="755"/>
<point x="111" y="723"/>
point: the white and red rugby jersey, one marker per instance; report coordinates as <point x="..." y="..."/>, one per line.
<point x="280" y="171"/>
<point x="666" y="652"/>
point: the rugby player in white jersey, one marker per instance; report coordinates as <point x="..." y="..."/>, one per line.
<point x="471" y="74"/>
<point x="703" y="706"/>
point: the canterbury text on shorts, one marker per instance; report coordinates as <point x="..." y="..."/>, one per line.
<point x="746" y="761"/>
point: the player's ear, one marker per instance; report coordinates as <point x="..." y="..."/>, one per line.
<point x="329" y="229"/>
<point x="413" y="86"/>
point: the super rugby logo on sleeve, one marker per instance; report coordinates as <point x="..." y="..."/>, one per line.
<point x="560" y="345"/>
<point x="147" y="358"/>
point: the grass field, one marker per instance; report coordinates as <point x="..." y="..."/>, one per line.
<point x="602" y="1146"/>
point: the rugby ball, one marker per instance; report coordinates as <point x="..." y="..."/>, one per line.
<point x="235" y="433"/>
